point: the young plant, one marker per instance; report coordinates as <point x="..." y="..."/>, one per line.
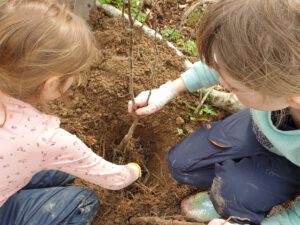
<point x="170" y="33"/>
<point x="190" y="48"/>
<point x="128" y="136"/>
<point x="193" y="113"/>
<point x="207" y="110"/>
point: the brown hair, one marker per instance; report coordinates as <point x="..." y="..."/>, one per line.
<point x="40" y="39"/>
<point x="256" y="41"/>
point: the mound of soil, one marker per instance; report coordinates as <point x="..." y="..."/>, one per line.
<point x="97" y="113"/>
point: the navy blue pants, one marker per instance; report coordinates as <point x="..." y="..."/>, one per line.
<point x="246" y="180"/>
<point x="45" y="201"/>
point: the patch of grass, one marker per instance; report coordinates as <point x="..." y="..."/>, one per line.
<point x="194" y="17"/>
<point x="171" y="34"/>
<point x="189" y="47"/>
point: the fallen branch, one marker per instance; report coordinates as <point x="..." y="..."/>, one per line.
<point x="159" y="221"/>
<point x="236" y="217"/>
<point x="225" y="100"/>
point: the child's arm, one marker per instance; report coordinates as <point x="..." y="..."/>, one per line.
<point x="66" y="152"/>
<point x="199" y="76"/>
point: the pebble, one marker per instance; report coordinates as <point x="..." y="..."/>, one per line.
<point x="179" y="121"/>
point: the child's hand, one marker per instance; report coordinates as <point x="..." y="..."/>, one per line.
<point x="136" y="169"/>
<point x="159" y="97"/>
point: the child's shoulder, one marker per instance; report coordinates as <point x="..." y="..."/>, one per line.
<point x="24" y="117"/>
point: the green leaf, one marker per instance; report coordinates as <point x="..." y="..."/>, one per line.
<point x="180" y="131"/>
<point x="207" y="110"/>
<point x="192" y="118"/>
<point x="171" y="34"/>
<point x="190" y="48"/>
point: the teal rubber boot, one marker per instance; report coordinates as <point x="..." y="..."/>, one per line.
<point x="199" y="207"/>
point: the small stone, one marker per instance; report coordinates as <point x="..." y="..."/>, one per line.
<point x="189" y="129"/>
<point x="179" y="121"/>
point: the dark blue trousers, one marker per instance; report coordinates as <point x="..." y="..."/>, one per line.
<point x="246" y="180"/>
<point x="45" y="201"/>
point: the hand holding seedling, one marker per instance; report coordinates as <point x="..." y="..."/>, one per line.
<point x="158" y="98"/>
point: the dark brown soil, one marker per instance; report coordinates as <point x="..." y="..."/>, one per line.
<point x="97" y="113"/>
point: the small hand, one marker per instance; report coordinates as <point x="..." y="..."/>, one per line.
<point x="158" y="98"/>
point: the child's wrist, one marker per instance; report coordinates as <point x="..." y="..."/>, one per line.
<point x="178" y="86"/>
<point x="137" y="166"/>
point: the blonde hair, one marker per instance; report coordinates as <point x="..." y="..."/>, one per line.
<point x="40" y="39"/>
<point x="256" y="41"/>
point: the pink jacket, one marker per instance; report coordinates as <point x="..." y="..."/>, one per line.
<point x="32" y="141"/>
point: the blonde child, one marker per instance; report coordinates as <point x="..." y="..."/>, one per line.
<point x="43" y="49"/>
<point x="251" y="159"/>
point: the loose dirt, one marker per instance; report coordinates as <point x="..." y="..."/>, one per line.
<point x="97" y="113"/>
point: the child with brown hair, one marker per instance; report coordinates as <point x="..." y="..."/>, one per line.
<point x="251" y="159"/>
<point x="43" y="49"/>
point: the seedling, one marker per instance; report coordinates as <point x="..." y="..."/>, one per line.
<point x="172" y="34"/>
<point x="190" y="48"/>
<point x="207" y="110"/>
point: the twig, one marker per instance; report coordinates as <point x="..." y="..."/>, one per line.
<point x="139" y="10"/>
<point x="128" y="136"/>
<point x="235" y="217"/>
<point x="147" y="176"/>
<point x="153" y="68"/>
<point x="159" y="221"/>
<point x="123" y="13"/>
<point x="148" y="14"/>
<point x="209" y="90"/>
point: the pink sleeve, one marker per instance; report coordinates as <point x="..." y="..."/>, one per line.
<point x="68" y="153"/>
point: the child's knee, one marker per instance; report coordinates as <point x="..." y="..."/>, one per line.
<point x="184" y="171"/>
<point x="87" y="208"/>
<point x="177" y="164"/>
<point x="90" y="200"/>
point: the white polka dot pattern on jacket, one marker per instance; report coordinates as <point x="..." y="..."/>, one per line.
<point x="32" y="141"/>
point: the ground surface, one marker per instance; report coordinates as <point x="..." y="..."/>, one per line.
<point x="97" y="113"/>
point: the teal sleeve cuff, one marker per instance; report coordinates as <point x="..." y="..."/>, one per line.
<point x="200" y="76"/>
